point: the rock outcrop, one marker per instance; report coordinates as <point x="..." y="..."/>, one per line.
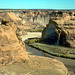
<point x="58" y="32"/>
<point x="11" y="47"/>
<point x="50" y="33"/>
<point x="37" y="66"/>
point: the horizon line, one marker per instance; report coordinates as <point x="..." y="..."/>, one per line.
<point x="32" y="9"/>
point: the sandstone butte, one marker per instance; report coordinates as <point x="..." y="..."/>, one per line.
<point x="60" y="32"/>
<point x="12" y="50"/>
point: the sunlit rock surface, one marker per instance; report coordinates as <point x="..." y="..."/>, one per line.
<point x="11" y="47"/>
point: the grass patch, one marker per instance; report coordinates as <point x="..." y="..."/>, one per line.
<point x="31" y="41"/>
<point x="34" y="30"/>
<point x="52" y="49"/>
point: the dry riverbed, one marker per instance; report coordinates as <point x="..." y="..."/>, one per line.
<point x="31" y="35"/>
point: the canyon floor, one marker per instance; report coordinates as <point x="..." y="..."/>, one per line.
<point x="69" y="63"/>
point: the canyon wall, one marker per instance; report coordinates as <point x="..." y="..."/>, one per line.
<point x="39" y="19"/>
<point x="11" y="47"/>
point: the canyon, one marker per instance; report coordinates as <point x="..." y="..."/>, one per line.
<point x="14" y="23"/>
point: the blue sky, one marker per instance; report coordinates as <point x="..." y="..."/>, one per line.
<point x="37" y="4"/>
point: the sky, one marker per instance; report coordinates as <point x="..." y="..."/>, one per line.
<point x="37" y="4"/>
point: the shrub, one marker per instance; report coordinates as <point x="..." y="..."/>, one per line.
<point x="39" y="47"/>
<point x="32" y="41"/>
<point x="35" y="30"/>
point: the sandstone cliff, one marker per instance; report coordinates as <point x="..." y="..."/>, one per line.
<point x="37" y="19"/>
<point x="11" y="47"/>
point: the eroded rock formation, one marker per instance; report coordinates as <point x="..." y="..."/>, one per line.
<point x="11" y="47"/>
<point x="37" y="19"/>
<point x="57" y="33"/>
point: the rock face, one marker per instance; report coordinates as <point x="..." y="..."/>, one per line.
<point x="37" y="66"/>
<point x="36" y="19"/>
<point x="59" y="33"/>
<point x="11" y="47"/>
<point x="50" y="34"/>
